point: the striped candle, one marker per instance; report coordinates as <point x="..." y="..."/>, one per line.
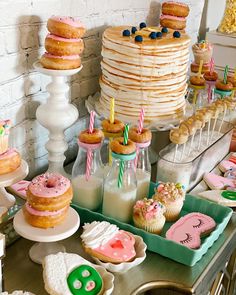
<point x="226" y="74"/>
<point x="91" y="121"/>
<point x="141" y="121"/>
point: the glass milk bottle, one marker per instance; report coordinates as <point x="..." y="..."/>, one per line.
<point x="120" y="188"/>
<point x="197" y="96"/>
<point x="87" y="176"/>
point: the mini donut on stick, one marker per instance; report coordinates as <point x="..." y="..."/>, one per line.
<point x="177" y="136"/>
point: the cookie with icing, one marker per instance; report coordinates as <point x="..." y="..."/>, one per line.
<point x="106" y="242"/>
<point x="217" y="182"/>
<point x="218" y="196"/>
<point x="188" y="230"/>
<point x="17" y="293"/>
<point x="70" y="274"/>
<point x="226" y="165"/>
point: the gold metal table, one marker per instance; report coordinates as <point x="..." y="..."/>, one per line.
<point x="156" y="272"/>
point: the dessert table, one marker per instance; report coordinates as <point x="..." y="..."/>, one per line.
<point x="154" y="273"/>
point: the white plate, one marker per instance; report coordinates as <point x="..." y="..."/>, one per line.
<point x="140" y="248"/>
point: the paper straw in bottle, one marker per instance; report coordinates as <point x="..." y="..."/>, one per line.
<point x="89" y="151"/>
<point x="140" y="129"/>
<point x="112" y="119"/>
<point x="200" y="69"/>
<point x="212" y="63"/>
<point x="122" y="163"/>
<point x="226" y="74"/>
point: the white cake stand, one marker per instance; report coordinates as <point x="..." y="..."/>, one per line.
<point x="47" y="238"/>
<point x="6" y="199"/>
<point x="57" y="114"/>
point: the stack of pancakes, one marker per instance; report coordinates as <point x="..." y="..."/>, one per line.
<point x="149" y="74"/>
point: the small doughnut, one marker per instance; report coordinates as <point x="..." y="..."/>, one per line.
<point x="231" y="79"/>
<point x="145" y="136"/>
<point x="91" y="138"/>
<point x="206" y="114"/>
<point x="197" y="81"/>
<point x="183" y="128"/>
<point x="115" y="127"/>
<point x="9" y="161"/>
<point x="222" y="86"/>
<point x="198" y="121"/>
<point x="215" y="111"/>
<point x="55" y="62"/>
<point x="231" y="104"/>
<point x="65" y="26"/>
<point x="190" y="124"/>
<point x="175" y="9"/>
<point x="173" y="22"/>
<point x="62" y="46"/>
<point x="118" y="147"/>
<point x="208" y="76"/>
<point x="195" y="67"/>
<point x="178" y="137"/>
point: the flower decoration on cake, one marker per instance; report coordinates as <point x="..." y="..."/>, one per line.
<point x="148" y="215"/>
<point x="172" y="196"/>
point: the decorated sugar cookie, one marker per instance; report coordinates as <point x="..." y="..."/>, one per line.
<point x="70" y="274"/>
<point x="226" y="165"/>
<point x="216" y="182"/>
<point x="188" y="230"/>
<point x="17" y="293"/>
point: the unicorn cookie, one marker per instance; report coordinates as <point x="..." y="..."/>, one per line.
<point x="226" y="165"/>
<point x="188" y="230"/>
<point x="218" y="196"/>
<point x="216" y="182"/>
<point x="106" y="242"/>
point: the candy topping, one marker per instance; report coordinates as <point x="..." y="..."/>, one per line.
<point x="126" y="33"/>
<point x="133" y="30"/>
<point x="169" y="192"/>
<point x="148" y="209"/>
<point x="138" y="38"/>
<point x="142" y="25"/>
<point x="176" y="34"/>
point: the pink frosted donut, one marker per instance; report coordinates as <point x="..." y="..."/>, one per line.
<point x="65" y="26"/>
<point x="9" y="161"/>
<point x="55" y="62"/>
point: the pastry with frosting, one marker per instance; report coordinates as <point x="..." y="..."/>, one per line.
<point x="106" y="242"/>
<point x="172" y="196"/>
<point x="149" y="215"/>
<point x="202" y="51"/>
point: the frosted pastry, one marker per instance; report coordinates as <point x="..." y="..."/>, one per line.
<point x="226" y="165"/>
<point x="9" y="161"/>
<point x="107" y="243"/>
<point x="172" y="196"/>
<point x="217" y="196"/>
<point x="217" y="182"/>
<point x="149" y="215"/>
<point x="70" y="274"/>
<point x="188" y="230"/>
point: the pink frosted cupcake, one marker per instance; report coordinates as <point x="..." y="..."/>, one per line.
<point x="172" y="196"/>
<point x="149" y="215"/>
<point x="5" y="126"/>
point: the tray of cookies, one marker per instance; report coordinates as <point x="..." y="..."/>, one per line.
<point x="186" y="240"/>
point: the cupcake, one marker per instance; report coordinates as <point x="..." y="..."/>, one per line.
<point x="5" y="126"/>
<point x="172" y="196"/>
<point x="202" y="51"/>
<point x="149" y="215"/>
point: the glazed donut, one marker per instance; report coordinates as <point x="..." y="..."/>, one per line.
<point x="178" y="137"/>
<point x="145" y="136"/>
<point x="9" y="161"/>
<point x="91" y="138"/>
<point x="191" y="125"/>
<point x="62" y="46"/>
<point x="173" y="22"/>
<point x="205" y="114"/>
<point x="55" y="62"/>
<point x="48" y="199"/>
<point x="231" y="79"/>
<point x="115" y="127"/>
<point x="198" y="121"/>
<point x="195" y="67"/>
<point x="183" y="128"/>
<point x="222" y="86"/>
<point x="197" y="81"/>
<point x="208" y="76"/>
<point x="118" y="147"/>
<point x="175" y="9"/>
<point x="65" y="26"/>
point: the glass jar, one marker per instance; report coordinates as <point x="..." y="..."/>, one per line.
<point x="210" y="86"/>
<point x="219" y="94"/>
<point x="143" y="169"/>
<point x="197" y="96"/>
<point x="87" y="176"/>
<point x="120" y="188"/>
<point x="105" y="151"/>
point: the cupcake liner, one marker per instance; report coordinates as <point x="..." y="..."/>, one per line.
<point x="3" y="144"/>
<point x="173" y="210"/>
<point x="153" y="226"/>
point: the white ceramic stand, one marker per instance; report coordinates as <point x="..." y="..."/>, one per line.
<point x="6" y="199"/>
<point x="47" y="238"/>
<point x="57" y="115"/>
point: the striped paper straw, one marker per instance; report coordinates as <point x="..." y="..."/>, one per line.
<point x="212" y="63"/>
<point x="226" y="74"/>
<point x="112" y="110"/>
<point x="200" y="69"/>
<point x="88" y="164"/>
<point x="141" y="120"/>
<point x="122" y="163"/>
<point x="91" y="121"/>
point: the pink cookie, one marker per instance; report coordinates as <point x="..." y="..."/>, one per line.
<point x="19" y="188"/>
<point x="216" y="182"/>
<point x="187" y="230"/>
<point x="226" y="165"/>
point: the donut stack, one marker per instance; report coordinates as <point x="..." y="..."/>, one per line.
<point x="174" y="15"/>
<point x="63" y="44"/>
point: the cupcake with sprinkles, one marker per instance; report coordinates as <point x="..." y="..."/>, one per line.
<point x="172" y="196"/>
<point x="149" y="215"/>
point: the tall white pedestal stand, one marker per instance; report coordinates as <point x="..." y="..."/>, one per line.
<point x="6" y="199"/>
<point x="46" y="238"/>
<point x="57" y="114"/>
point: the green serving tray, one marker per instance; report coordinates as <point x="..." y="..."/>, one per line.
<point x="158" y="243"/>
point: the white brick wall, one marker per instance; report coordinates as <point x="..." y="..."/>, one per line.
<point x="22" y="33"/>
